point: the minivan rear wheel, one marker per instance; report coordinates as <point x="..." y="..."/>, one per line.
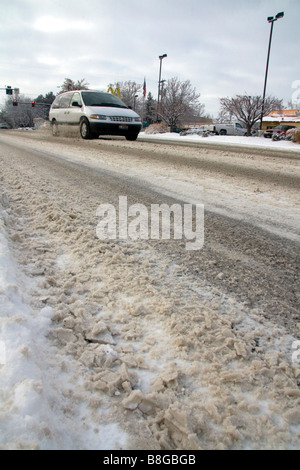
<point x="85" y="130"/>
<point x="54" y="128"/>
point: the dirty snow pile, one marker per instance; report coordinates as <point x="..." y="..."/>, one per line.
<point x="21" y="338"/>
<point x="39" y="405"/>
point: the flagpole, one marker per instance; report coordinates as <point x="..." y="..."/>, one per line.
<point x="144" y="94"/>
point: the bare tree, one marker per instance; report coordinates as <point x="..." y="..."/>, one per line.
<point x="223" y="116"/>
<point x="70" y="85"/>
<point x="293" y="104"/>
<point x="21" y="115"/>
<point x="128" y="92"/>
<point x="179" y="100"/>
<point x="248" y="109"/>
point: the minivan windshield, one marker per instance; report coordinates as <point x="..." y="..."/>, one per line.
<point x="98" y="98"/>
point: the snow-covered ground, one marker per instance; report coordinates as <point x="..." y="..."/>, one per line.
<point x="43" y="404"/>
<point x="226" y="140"/>
<point x="43" y="400"/>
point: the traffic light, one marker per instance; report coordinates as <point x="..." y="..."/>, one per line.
<point x="15" y="103"/>
<point x="33" y="104"/>
<point x="9" y="90"/>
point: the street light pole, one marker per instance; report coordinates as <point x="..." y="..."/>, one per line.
<point x="271" y="20"/>
<point x="161" y="57"/>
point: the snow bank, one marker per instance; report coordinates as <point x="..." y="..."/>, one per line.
<point x="226" y="139"/>
<point x="22" y="402"/>
<point x="39" y="408"/>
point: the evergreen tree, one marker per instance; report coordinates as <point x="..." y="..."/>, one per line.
<point x="150" y="109"/>
<point x="47" y="99"/>
<point x="43" y="105"/>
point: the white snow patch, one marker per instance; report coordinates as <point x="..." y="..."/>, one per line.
<point x="225" y="140"/>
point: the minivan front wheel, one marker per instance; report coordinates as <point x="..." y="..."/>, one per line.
<point x="132" y="136"/>
<point x="85" y="130"/>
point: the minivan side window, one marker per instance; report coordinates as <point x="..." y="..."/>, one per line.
<point x="62" y="101"/>
<point x="76" y="98"/>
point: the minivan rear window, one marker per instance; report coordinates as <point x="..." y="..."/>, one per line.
<point x="97" y="98"/>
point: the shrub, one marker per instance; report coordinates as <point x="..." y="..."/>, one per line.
<point x="294" y="135"/>
<point x="157" y="128"/>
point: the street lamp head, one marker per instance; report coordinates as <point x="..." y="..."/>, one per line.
<point x="271" y="19"/>
<point x="163" y="56"/>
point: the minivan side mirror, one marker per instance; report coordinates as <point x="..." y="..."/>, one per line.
<point x="75" y="103"/>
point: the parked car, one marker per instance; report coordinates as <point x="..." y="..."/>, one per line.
<point x="176" y="129"/>
<point x="198" y="130"/>
<point x="206" y="129"/>
<point x="96" y="113"/>
<point x="281" y="129"/>
<point x="3" y="125"/>
<point x="234" y="128"/>
<point x="190" y="131"/>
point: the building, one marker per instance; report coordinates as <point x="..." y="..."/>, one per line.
<point x="291" y="117"/>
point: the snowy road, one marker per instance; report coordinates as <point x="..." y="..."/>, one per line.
<point x="143" y="344"/>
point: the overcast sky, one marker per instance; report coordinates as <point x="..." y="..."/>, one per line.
<point x="219" y="45"/>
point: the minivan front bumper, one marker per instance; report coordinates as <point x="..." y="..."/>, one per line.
<point x="109" y="128"/>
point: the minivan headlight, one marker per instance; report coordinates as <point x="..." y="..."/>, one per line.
<point x="98" y="116"/>
<point x="138" y="119"/>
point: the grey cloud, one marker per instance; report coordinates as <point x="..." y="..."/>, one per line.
<point x="220" y="46"/>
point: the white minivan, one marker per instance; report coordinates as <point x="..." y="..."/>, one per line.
<point x="96" y="113"/>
